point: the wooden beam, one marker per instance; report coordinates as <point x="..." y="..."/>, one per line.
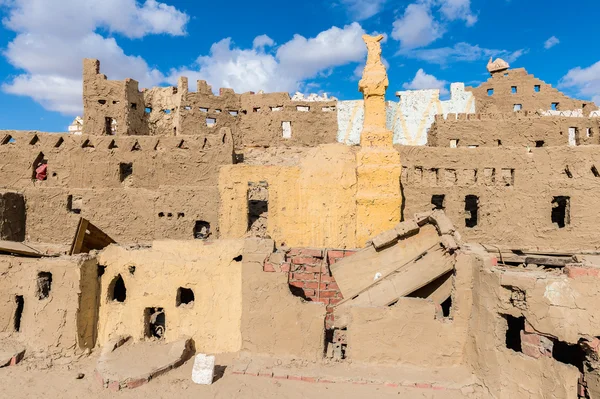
<point x="18" y="248"/>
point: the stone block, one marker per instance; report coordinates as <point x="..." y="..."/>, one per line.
<point x="406" y="228"/>
<point x="449" y="242"/>
<point x="204" y="369"/>
<point x="442" y="222"/>
<point x="384" y="239"/>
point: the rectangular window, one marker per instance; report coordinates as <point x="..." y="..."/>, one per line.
<point x="513" y="89"/>
<point x="258" y="208"/>
<point x="454" y="143"/>
<point x="287" y="130"/>
<point x="561" y="211"/>
<point x="472" y="210"/>
<point x="536" y="88"/>
<point x="490" y="92"/>
<point x="437" y="200"/>
<point x="518" y="107"/>
<point x="573" y="136"/>
<point x="211" y="122"/>
<point x="554" y="106"/>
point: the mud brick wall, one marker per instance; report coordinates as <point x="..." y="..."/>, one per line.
<point x="309" y="275"/>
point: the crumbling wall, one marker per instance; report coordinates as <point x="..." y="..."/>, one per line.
<point x="12" y="216"/>
<point x="152" y="278"/>
<point x="134" y="188"/>
<point x="412" y="331"/>
<point x="513" y="193"/>
<point x="255" y="120"/>
<point x="50" y="301"/>
<point x="264" y="115"/>
<point x="274" y="321"/>
<point x="506" y="372"/>
<point x="497" y="95"/>
<point x="511" y="130"/>
<point x="311" y="205"/>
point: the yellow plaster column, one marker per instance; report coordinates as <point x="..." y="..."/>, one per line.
<point x="378" y="197"/>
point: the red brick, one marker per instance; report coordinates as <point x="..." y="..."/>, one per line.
<point x="305" y="260"/>
<point x="280" y="377"/>
<point x="136" y="383"/>
<point x="362" y="382"/>
<point x="314" y="253"/>
<point x="581" y="391"/>
<point x="299" y="284"/>
<point x="309" y="379"/>
<point x="114" y="386"/>
<point x="532" y="339"/>
<point x="311" y="284"/>
<point x="285" y="267"/>
<point x="335" y="254"/>
<point x="311" y="269"/>
<point x="294" y="252"/>
<point x="531" y="351"/>
<point x="333" y="286"/>
<point x="335" y="301"/>
<point x="265" y="373"/>
<point x="576" y="271"/>
<point x="326" y="278"/>
<point x="328" y="294"/>
<point x="423" y="385"/>
<point x="303" y="276"/>
<point x="309" y="292"/>
<point x="268" y="267"/>
<point x="494" y="261"/>
<point x="391" y="385"/>
<point x="294" y="378"/>
<point x="349" y="253"/>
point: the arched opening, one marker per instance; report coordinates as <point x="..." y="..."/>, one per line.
<point x="116" y="290"/>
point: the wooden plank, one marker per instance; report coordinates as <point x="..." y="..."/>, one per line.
<point x="356" y="273"/>
<point x="549" y="261"/>
<point x="19" y="248"/>
<point x="405" y="280"/>
<point x="88" y="237"/>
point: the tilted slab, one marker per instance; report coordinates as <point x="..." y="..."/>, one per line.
<point x="124" y="364"/>
<point x="358" y="272"/>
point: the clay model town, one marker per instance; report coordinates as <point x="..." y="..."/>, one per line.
<point x="415" y="248"/>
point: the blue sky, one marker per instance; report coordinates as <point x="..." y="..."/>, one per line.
<point x="313" y="46"/>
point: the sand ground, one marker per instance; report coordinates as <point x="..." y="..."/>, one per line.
<point x="25" y="381"/>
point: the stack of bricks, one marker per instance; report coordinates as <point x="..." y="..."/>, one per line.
<point x="309" y="275"/>
<point x="534" y="344"/>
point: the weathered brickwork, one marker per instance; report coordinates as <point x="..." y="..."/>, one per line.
<point x="309" y="275"/>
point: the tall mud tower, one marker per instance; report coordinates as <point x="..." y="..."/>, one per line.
<point x="378" y="198"/>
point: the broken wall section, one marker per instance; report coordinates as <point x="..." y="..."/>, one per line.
<point x="518" y="129"/>
<point x="12" y="216"/>
<point x="506" y="90"/>
<point x="49" y="304"/>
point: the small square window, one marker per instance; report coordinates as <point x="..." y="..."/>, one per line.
<point x="148" y="110"/>
<point x="536" y="88"/>
<point x="518" y="107"/>
<point x="454" y="143"/>
<point x="554" y="106"/>
<point x="513" y="89"/>
<point x="490" y="92"/>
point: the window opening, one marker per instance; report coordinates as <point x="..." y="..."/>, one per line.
<point x="19" y="312"/>
<point x="44" y="285"/>
<point x="185" y="296"/>
<point x="258" y="208"/>
<point x="513" y="332"/>
<point x="472" y="209"/>
<point x="117" y="290"/>
<point x="154" y="323"/>
<point x="125" y="170"/>
<point x="437" y="200"/>
<point x="561" y="211"/>
<point x="201" y="230"/>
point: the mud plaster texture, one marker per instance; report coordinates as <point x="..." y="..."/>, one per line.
<point x="409" y="332"/>
<point x="172" y="184"/>
<point x="209" y="269"/>
<point x="518" y="129"/>
<point x="503" y="99"/>
<point x="515" y="189"/>
<point x="59" y="325"/>
<point x="273" y="321"/>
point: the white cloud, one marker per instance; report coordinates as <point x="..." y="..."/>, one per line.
<point x="262" y="41"/>
<point x="363" y="9"/>
<point x="283" y="70"/>
<point x="553" y="41"/>
<point x="417" y="27"/>
<point x="424" y="81"/>
<point x="458" y="9"/>
<point x="585" y="81"/>
<point x="53" y="36"/>
<point x="461" y="52"/>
